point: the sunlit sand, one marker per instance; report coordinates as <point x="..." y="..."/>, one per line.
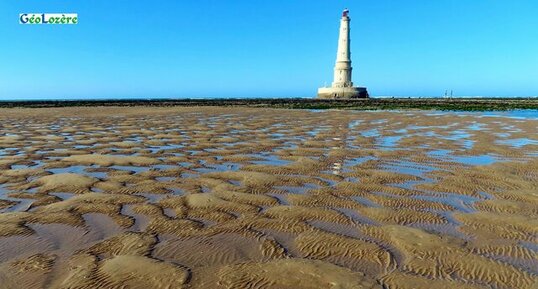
<point x="206" y="197"/>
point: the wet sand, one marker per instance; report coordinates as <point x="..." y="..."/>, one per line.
<point x="207" y="197"/>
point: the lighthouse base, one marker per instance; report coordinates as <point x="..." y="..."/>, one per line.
<point x="342" y="92"/>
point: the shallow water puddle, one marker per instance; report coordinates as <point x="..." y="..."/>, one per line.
<point x="269" y="159"/>
<point x="227" y="166"/>
<point x="81" y="170"/>
<point x="154" y="198"/>
<point x="101" y="225"/>
<point x="409" y="168"/>
<point x="63" y="196"/>
<point x="141" y="221"/>
<point x="518" y="143"/>
<point x="21" y="246"/>
<point x="133" y="169"/>
<point x="280" y="197"/>
<point x="447" y="155"/>
<point x="65" y="238"/>
<point x="165" y="179"/>
<point x="365" y="201"/>
<point x="370" y="133"/>
<point x="19" y="205"/>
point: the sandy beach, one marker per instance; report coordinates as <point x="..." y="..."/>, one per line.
<point x="237" y="197"/>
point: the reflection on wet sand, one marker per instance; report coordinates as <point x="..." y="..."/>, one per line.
<point x="265" y="198"/>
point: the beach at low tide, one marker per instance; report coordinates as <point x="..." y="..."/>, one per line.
<point x="240" y="197"/>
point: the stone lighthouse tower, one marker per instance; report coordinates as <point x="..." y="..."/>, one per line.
<point x="342" y="86"/>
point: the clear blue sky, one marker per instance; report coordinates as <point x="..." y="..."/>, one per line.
<point x="280" y="48"/>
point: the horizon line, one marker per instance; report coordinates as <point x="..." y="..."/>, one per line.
<point x="252" y="97"/>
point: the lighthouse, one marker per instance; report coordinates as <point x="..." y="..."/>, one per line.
<point x="342" y="86"/>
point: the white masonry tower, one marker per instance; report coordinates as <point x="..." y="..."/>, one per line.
<point x="342" y="86"/>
